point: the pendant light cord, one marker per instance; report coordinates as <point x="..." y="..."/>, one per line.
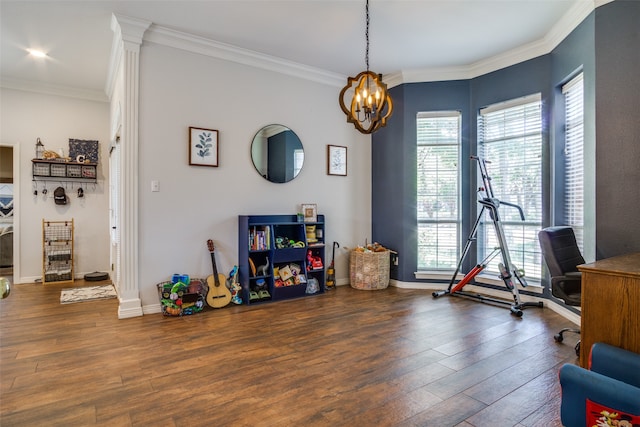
<point x="366" y="57"/>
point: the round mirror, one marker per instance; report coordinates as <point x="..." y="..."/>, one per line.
<point x="277" y="153"/>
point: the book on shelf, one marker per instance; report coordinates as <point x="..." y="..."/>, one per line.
<point x="259" y="238"/>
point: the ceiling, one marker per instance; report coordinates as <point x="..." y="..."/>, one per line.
<point x="325" y="34"/>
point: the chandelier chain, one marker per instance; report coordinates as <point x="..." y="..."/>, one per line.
<point x="366" y="56"/>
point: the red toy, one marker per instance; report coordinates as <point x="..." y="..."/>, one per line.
<point x="313" y="262"/>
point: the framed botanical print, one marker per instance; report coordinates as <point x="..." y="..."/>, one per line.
<point x="203" y="147"/>
<point x="336" y="160"/>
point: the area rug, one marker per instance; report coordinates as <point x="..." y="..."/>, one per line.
<point x="88" y="293"/>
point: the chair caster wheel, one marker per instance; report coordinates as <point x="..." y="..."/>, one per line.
<point x="557" y="338"/>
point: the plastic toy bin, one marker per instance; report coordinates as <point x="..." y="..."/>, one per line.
<point x="182" y="299"/>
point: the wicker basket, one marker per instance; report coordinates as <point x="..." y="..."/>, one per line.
<point x="369" y="270"/>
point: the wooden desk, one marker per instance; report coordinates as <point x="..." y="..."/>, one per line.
<point x="610" y="304"/>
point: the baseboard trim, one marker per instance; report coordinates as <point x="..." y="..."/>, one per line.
<point x="152" y="309"/>
<point x="129" y="308"/>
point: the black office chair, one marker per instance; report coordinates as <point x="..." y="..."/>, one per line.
<point x="562" y="255"/>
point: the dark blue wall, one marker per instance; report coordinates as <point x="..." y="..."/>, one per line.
<point x="617" y="122"/>
<point x="390" y="182"/>
<point x="394" y="165"/>
<point x="281" y="156"/>
<point x="575" y="54"/>
<point x="617" y="47"/>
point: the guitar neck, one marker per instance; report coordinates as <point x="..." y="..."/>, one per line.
<point x="215" y="269"/>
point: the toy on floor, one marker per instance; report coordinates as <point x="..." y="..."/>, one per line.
<point x="236" y="294"/>
<point x="5" y="285"/>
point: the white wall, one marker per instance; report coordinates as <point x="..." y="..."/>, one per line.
<point x="26" y="116"/>
<point x="179" y="89"/>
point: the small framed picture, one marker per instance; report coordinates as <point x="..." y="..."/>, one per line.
<point x="310" y="212"/>
<point x="203" y="147"/>
<point x="336" y="160"/>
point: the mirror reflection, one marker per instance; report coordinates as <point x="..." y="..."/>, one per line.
<point x="277" y="153"/>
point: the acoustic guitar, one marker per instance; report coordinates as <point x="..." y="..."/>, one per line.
<point x="218" y="295"/>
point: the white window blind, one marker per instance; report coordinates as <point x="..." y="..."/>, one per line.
<point x="298" y="161"/>
<point x="574" y="157"/>
<point x="438" y="190"/>
<point x="510" y="137"/>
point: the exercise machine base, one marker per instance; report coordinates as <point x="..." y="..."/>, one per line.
<point x="516" y="309"/>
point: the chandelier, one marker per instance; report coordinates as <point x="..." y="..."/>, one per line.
<point x="365" y="99"/>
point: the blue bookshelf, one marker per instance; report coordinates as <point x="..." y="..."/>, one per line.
<point x="280" y="257"/>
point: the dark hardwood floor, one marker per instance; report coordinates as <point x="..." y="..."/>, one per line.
<point x="391" y="357"/>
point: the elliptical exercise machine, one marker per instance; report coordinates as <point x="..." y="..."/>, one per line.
<point x="507" y="270"/>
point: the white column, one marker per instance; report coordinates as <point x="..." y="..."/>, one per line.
<point x="129" y="33"/>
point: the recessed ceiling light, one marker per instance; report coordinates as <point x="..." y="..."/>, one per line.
<point x="37" y="53"/>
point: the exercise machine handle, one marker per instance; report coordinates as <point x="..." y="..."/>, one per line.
<point x="513" y="205"/>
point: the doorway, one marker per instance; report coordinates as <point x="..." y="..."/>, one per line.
<point x="9" y="185"/>
<point x="114" y="210"/>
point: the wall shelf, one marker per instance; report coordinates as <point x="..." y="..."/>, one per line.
<point x="56" y="170"/>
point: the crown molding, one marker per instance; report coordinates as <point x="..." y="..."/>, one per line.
<point x="203" y="46"/>
<point x="567" y="23"/>
<point x="426" y="75"/>
<point x="195" y="44"/>
<point x="139" y="31"/>
<point x="602" y="2"/>
<point x="57" y="90"/>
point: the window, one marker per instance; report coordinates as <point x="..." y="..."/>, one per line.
<point x="298" y="161"/>
<point x="510" y="137"/>
<point x="438" y="189"/>
<point x="574" y="158"/>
